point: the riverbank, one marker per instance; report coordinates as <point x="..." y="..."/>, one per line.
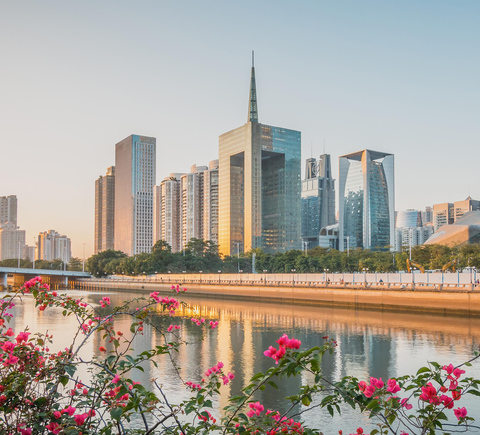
<point x="379" y="297"/>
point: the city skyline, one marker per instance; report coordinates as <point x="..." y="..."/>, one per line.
<point x="398" y="78"/>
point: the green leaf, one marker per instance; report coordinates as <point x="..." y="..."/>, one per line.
<point x="63" y="380"/>
<point x="422" y="370"/>
<point x="306" y="400"/>
<point x="391" y="418"/>
<point x="372" y="404"/>
<point x="474" y="392"/>
<point x="330" y="410"/>
<point x="116" y="413"/>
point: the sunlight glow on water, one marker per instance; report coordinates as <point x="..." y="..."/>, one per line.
<point x="370" y="343"/>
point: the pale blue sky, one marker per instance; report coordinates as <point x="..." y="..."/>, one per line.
<point x="77" y="77"/>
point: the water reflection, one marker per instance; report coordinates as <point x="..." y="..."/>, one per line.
<point x="370" y="343"/>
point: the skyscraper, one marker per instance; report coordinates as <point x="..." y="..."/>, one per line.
<point x="54" y="246"/>
<point x="210" y="203"/>
<point x="259" y="185"/>
<point x="105" y="211"/>
<point x="171" y="211"/>
<point x="8" y="210"/>
<point x="192" y="185"/>
<point x="135" y="159"/>
<point x="366" y="200"/>
<point x="318" y="199"/>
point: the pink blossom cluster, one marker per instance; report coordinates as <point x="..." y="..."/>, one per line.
<point x="207" y="417"/>
<point x="255" y="409"/>
<point x="213" y="324"/>
<point x="198" y="322"/>
<point x="227" y="378"/>
<point x="79" y="419"/>
<point x="177" y="288"/>
<point x="359" y="431"/>
<point x="215" y="369"/>
<point x="284" y="343"/>
<point x="193" y="386"/>
<point x="172" y="327"/>
<point x="170" y="304"/>
<point x="105" y="301"/>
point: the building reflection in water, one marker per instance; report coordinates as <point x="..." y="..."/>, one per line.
<point x="370" y="343"/>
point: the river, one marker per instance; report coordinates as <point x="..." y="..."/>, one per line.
<point x="370" y="343"/>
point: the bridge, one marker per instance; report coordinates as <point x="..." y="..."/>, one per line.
<point x="55" y="278"/>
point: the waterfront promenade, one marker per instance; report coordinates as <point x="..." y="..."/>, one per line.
<point x="451" y="293"/>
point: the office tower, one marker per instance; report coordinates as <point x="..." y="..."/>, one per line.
<point x="210" y="203"/>
<point x="443" y="214"/>
<point x="192" y="185"/>
<point x="8" y="210"/>
<point x="134" y="180"/>
<point x="409" y="230"/>
<point x="12" y="241"/>
<point x="54" y="246"/>
<point x="318" y="200"/>
<point x="462" y="207"/>
<point x="157" y="213"/>
<point x="427" y="215"/>
<point x="366" y="200"/>
<point x="105" y="211"/>
<point x="259" y="186"/>
<point x="171" y="211"/>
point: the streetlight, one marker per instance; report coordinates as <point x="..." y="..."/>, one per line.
<point x="219" y="272"/>
<point x="34" y="245"/>
<point x="83" y="265"/>
<point x="293" y="277"/>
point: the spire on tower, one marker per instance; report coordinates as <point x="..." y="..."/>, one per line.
<point x="252" y="102"/>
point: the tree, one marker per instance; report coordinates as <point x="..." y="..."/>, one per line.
<point x="97" y="263"/>
<point x="75" y="264"/>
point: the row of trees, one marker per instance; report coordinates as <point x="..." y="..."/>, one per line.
<point x="204" y="256"/>
<point x="74" y="264"/>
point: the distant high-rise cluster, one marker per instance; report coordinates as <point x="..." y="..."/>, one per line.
<point x="410" y="230"/>
<point x="54" y="246"/>
<point x="251" y="197"/>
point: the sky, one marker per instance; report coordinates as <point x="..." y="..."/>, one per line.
<point x="78" y="77"/>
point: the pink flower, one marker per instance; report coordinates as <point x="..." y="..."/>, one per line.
<point x="362" y="385"/>
<point x="8" y="346"/>
<point x="453" y="385"/>
<point x="377" y="383"/>
<point x="449" y="369"/>
<point x="9" y="332"/>
<point x="369" y="391"/>
<point x="393" y="386"/>
<point x="458" y="372"/>
<point x="54" y="427"/>
<point x="116" y="379"/>
<point x="170" y="328"/>
<point x="80" y="418"/>
<point x="447" y="401"/>
<point x="26" y="431"/>
<point x="405" y="404"/>
<point x="70" y="410"/>
<point x="460" y="413"/>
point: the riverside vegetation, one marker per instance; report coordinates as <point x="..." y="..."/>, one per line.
<point x="41" y="392"/>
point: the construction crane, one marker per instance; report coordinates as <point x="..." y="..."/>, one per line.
<point x="411" y="264"/>
<point x="451" y="264"/>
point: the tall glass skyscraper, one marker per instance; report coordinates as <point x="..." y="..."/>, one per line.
<point x="366" y="200"/>
<point x="318" y="199"/>
<point x="134" y="180"/>
<point x="259" y="186"/>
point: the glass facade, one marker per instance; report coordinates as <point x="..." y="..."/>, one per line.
<point x="367" y="202"/>
<point x="259" y="189"/>
<point x="134" y="181"/>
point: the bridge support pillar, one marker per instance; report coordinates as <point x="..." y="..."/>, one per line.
<point x="3" y="281"/>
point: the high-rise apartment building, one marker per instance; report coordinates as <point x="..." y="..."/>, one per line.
<point x="171" y="210"/>
<point x="409" y="229"/>
<point x="8" y="210"/>
<point x="427" y="215"/>
<point x="210" y="202"/>
<point x="443" y="214"/>
<point x="105" y="211"/>
<point x="135" y="159"/>
<point x="259" y="186"/>
<point x="192" y="188"/>
<point x="157" y="213"/>
<point x="318" y="199"/>
<point x="366" y="200"/>
<point x="54" y="246"/>
<point x="12" y="242"/>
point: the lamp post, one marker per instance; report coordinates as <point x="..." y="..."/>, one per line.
<point x="293" y="277"/>
<point x="219" y="272"/>
<point x="238" y="256"/>
<point x="34" y="245"/>
<point x="83" y="265"/>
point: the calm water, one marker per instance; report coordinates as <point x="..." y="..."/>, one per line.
<point x="370" y="343"/>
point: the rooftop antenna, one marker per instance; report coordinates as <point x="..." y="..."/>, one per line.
<point x="323" y="145"/>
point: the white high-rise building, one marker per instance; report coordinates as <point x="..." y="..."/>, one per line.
<point x="12" y="242"/>
<point x="8" y="210"/>
<point x="366" y="200"/>
<point x="135" y="159"/>
<point x="192" y="185"/>
<point x="210" y="203"/>
<point x="54" y="246"/>
<point x="171" y="211"/>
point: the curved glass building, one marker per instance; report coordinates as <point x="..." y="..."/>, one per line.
<point x="366" y="200"/>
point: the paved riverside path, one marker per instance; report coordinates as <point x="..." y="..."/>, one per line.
<point x="451" y="299"/>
